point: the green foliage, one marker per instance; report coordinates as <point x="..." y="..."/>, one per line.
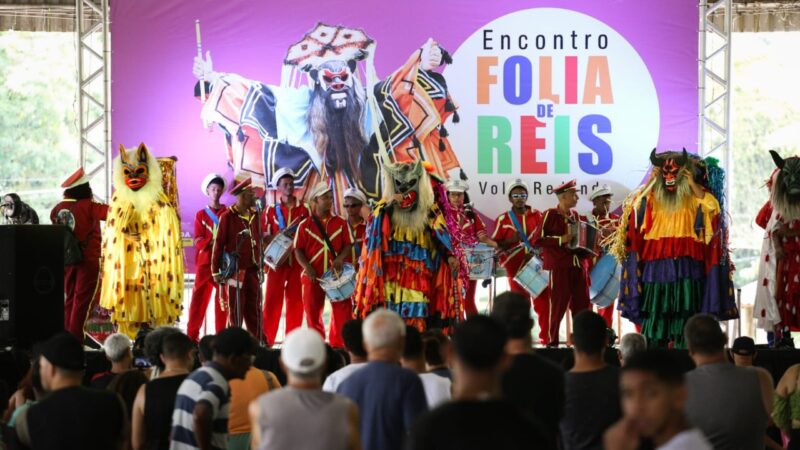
<point x="38" y="128"/>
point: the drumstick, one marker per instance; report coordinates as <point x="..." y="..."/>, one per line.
<point x="202" y="78"/>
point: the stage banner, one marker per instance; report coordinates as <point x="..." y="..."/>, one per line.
<point x="542" y="90"/>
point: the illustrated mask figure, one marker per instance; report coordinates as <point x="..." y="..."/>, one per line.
<point x="134" y="172"/>
<point x="335" y="78"/>
<point x="670" y="166"/>
<point x="788" y="179"/>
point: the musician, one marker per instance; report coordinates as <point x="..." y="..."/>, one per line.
<point x="569" y="282"/>
<point x="83" y="216"/>
<point x="472" y="226"/>
<point x="283" y="284"/>
<point x="354" y="201"/>
<point x="323" y="241"/>
<point x="206" y="222"/>
<point x="516" y="232"/>
<point x="236" y="235"/>
<point x="606" y="222"/>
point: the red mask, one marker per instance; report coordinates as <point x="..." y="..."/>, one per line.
<point x="670" y="167"/>
<point x="136" y="172"/>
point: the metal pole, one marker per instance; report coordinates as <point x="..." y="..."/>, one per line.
<point x="79" y="47"/>
<point x="701" y="79"/>
<point x="107" y="97"/>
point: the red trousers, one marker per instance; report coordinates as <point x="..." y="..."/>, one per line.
<point x="569" y="288"/>
<point x="607" y="313"/>
<point x="469" y="302"/>
<point x="80" y="281"/>
<point x="314" y="302"/>
<point x="541" y="304"/>
<point x="282" y="285"/>
<point x="246" y="309"/>
<point x="203" y="287"/>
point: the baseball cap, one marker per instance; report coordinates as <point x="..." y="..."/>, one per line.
<point x="744" y="346"/>
<point x="303" y="351"/>
<point x="64" y="351"/>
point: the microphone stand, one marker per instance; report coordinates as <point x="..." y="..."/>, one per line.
<point x="260" y="244"/>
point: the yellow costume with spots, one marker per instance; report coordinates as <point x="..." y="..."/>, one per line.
<point x="142" y="259"/>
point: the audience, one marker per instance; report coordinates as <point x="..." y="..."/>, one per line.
<point x="29" y="393"/>
<point x="302" y="416"/>
<point x="71" y="413"/>
<point x="117" y="348"/>
<point x="205" y="349"/>
<point x="200" y="418"/>
<point x="786" y="414"/>
<point x="591" y="387"/>
<point x="354" y="344"/>
<point x="255" y="383"/>
<point x="629" y="345"/>
<point x="153" y="345"/>
<point x="478" y="418"/>
<point x="436" y="347"/>
<point x="155" y="401"/>
<point x="437" y="388"/>
<point x="389" y="397"/>
<point x="126" y="385"/>
<point x="743" y="351"/>
<point x="654" y="395"/>
<point x="730" y="404"/>
<point x="531" y="382"/>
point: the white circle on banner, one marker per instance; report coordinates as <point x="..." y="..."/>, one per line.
<point x="620" y="118"/>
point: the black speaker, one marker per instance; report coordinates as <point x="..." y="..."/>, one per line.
<point x="31" y="283"/>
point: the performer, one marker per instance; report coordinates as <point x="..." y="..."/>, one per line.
<point x="606" y="223"/>
<point x="354" y="201"/>
<point x="328" y="130"/>
<point x="17" y="212"/>
<point x="206" y="222"/>
<point x="472" y="226"/>
<point x="517" y="236"/>
<point x="569" y="278"/>
<point x="83" y="216"/>
<point x="142" y="268"/>
<point x="236" y="237"/>
<point x="323" y="241"/>
<point x="283" y="283"/>
<point x="672" y="244"/>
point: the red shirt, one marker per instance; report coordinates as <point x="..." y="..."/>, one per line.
<point x="204" y="234"/>
<point x="231" y="223"/>
<point x="309" y="240"/>
<point x="298" y="211"/>
<point x="87" y="214"/>
<point x="504" y="229"/>
<point x="471" y="224"/>
<point x="358" y="233"/>
<point x="554" y="254"/>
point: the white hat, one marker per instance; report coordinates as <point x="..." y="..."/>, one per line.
<point x="517" y="183"/>
<point x="456" y="185"/>
<point x="303" y="351"/>
<point x="209" y="178"/>
<point x="280" y="173"/>
<point x="600" y="191"/>
<point x="318" y="189"/>
<point x="76" y="179"/>
<point x="356" y="194"/>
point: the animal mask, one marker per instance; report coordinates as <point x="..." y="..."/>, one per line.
<point x="670" y="165"/>
<point x="788" y="178"/>
<point x="135" y="173"/>
<point x="406" y="178"/>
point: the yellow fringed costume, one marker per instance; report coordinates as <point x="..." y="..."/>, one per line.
<point x="142" y="259"/>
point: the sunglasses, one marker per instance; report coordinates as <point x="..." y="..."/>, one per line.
<point x="352" y="205"/>
<point x="519" y="196"/>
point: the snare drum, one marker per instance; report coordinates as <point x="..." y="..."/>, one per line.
<point x="278" y="251"/>
<point x="339" y="288"/>
<point x="605" y="281"/>
<point x="585" y="237"/>
<point x="480" y="259"/>
<point x="533" y="277"/>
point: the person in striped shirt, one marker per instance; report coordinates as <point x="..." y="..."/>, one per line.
<point x="200" y="418"/>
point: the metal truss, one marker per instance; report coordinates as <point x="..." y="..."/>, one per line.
<point x="714" y="82"/>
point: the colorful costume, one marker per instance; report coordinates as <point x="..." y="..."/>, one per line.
<point x="328" y="130"/>
<point x="777" y="305"/>
<point x="673" y="249"/>
<point x="605" y="222"/>
<point x="83" y="216"/>
<point x="142" y="259"/>
<point x="404" y="264"/>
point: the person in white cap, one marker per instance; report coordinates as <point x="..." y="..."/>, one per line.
<point x="283" y="283"/>
<point x="322" y="242"/>
<point x="606" y="222"/>
<point x="354" y="201"/>
<point x="301" y="415"/>
<point x="206" y="222"/>
<point x="472" y="225"/>
<point x="516" y="232"/>
<point x="82" y="215"/>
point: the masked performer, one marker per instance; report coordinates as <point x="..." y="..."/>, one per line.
<point x="82" y="215"/>
<point x="672" y="244"/>
<point x="142" y="270"/>
<point x="328" y="130"/>
<point x="17" y="212"/>
<point x="606" y="222"/>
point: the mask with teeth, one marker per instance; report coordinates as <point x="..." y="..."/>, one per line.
<point x="405" y="179"/>
<point x="670" y="165"/>
<point x="336" y="79"/>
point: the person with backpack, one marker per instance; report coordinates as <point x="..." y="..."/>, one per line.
<point x="81" y="215"/>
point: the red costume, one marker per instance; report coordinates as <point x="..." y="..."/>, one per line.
<point x="358" y="233"/>
<point x="80" y="280"/>
<point x="471" y="225"/>
<point x="230" y="232"/>
<point x="608" y="222"/>
<point x="514" y="258"/>
<point x="310" y="241"/>
<point x="569" y="282"/>
<point x="204" y="227"/>
<point x="283" y="284"/>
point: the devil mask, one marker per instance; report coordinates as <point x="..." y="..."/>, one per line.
<point x="406" y="178"/>
<point x="788" y="178"/>
<point x="670" y="165"/>
<point x="136" y="172"/>
<point x="335" y="77"/>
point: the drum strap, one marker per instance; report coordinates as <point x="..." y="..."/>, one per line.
<point x="279" y="213"/>
<point x="521" y="232"/>
<point x="324" y="235"/>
